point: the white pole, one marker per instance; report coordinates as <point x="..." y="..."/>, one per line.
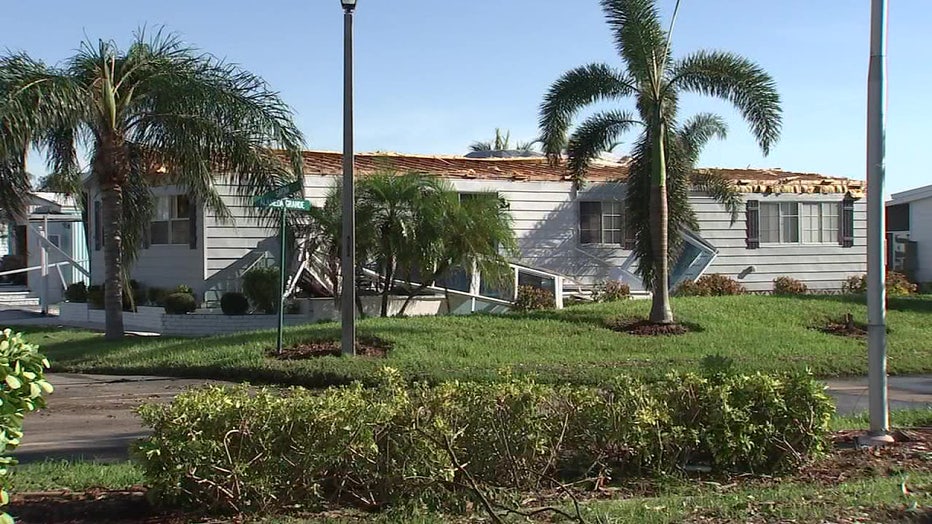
<point x="876" y="294"/>
<point x="44" y="262"/>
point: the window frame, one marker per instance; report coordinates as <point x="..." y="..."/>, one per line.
<point x="618" y="210"/>
<point x="799" y="217"/>
<point x="174" y="216"/>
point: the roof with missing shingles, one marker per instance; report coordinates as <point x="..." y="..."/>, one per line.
<point x="540" y="169"/>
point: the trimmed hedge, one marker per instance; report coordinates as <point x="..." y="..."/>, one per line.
<point x="229" y="449"/>
<point x="180" y="304"/>
<point x="713" y="285"/>
<point x="789" y="286"/>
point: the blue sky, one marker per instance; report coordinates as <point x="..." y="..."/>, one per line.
<point x="434" y="75"/>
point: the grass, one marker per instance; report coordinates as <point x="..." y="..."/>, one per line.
<point x="900" y="418"/>
<point x="55" y="475"/>
<point x="761" y="333"/>
<point x="876" y="499"/>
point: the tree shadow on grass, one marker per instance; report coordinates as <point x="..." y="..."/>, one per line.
<point x="915" y="304"/>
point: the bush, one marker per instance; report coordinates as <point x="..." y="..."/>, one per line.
<point x="76" y="293"/>
<point x="611" y="291"/>
<point x="180" y="304"/>
<point x="95" y="296"/>
<point x="260" y="285"/>
<point x="714" y="285"/>
<point x="233" y="303"/>
<point x="21" y="391"/>
<point x="155" y="296"/>
<point x="532" y="298"/>
<point x="897" y="285"/>
<point x="230" y="449"/>
<point x="788" y="286"/>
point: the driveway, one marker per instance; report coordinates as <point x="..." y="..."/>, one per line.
<point x="92" y="416"/>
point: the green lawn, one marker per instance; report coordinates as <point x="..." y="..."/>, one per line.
<point x="762" y="333"/>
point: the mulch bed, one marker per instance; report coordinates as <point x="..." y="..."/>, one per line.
<point x="644" y="327"/>
<point x="844" y="327"/>
<point x="365" y="347"/>
<point x="96" y="505"/>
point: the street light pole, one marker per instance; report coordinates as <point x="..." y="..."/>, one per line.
<point x="348" y="300"/>
<point x="876" y="270"/>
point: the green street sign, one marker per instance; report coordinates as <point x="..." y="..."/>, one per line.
<point x="291" y="203"/>
<point x="278" y="193"/>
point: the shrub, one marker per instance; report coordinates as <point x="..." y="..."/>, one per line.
<point x="155" y="296"/>
<point x="897" y="285"/>
<point x="182" y="288"/>
<point x="76" y="293"/>
<point x="713" y="285"/>
<point x="180" y="304"/>
<point x="611" y="291"/>
<point x="21" y="391"/>
<point x="788" y="286"/>
<point x="232" y="449"/>
<point x="260" y="285"/>
<point x="532" y="298"/>
<point x="95" y="296"/>
<point x="233" y="303"/>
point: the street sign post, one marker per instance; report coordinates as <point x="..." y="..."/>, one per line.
<point x="284" y="204"/>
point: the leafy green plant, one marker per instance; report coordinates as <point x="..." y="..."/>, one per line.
<point x="611" y="291"/>
<point x="260" y="285"/>
<point x="897" y="285"/>
<point x="95" y="296"/>
<point x="22" y="390"/>
<point x="532" y="298"/>
<point x="230" y="449"/>
<point x="234" y="303"/>
<point x="789" y="286"/>
<point x="713" y="285"/>
<point x="76" y="292"/>
<point x="155" y="296"/>
<point x="180" y="304"/>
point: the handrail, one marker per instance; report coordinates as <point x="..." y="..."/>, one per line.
<point x="34" y="268"/>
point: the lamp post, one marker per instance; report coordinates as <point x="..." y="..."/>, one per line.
<point x="348" y="300"/>
<point x="876" y="293"/>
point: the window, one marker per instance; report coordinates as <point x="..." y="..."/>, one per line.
<point x="602" y="223"/>
<point x="171" y="223"/>
<point x="898" y="217"/>
<point x="794" y="223"/>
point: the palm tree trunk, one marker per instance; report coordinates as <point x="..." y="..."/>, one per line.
<point x="661" y="312"/>
<point x="112" y="200"/>
<point x="386" y="291"/>
<point x="433" y="278"/>
<point x="111" y="168"/>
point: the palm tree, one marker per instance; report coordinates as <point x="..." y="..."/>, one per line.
<point x="473" y="233"/>
<point x="393" y="208"/>
<point x="158" y="112"/>
<point x="501" y="142"/>
<point x="654" y="81"/>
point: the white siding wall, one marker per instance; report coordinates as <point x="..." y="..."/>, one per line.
<point x="546" y="222"/>
<point x="920" y="223"/>
<point x="164" y="266"/>
<point x="820" y="266"/>
<point x="233" y="246"/>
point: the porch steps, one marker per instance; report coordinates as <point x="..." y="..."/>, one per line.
<point x="12" y="296"/>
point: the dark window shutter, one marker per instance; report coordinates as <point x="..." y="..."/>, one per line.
<point x="753" y="224"/>
<point x="847" y="222"/>
<point x="192" y="223"/>
<point x="98" y="226"/>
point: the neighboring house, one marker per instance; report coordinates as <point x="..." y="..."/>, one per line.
<point x="807" y="226"/>
<point x="57" y="218"/>
<point x="909" y="233"/>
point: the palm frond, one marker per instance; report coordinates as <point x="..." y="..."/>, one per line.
<point x="639" y="37"/>
<point x="696" y="132"/>
<point x="738" y="80"/>
<point x="574" y="90"/>
<point x="596" y="135"/>
<point x="481" y="146"/>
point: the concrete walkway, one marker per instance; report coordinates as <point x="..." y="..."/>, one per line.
<point x="92" y="416"/>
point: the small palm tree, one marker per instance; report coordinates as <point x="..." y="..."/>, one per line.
<point x="654" y="81"/>
<point x="502" y="142"/>
<point x="157" y="112"/>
